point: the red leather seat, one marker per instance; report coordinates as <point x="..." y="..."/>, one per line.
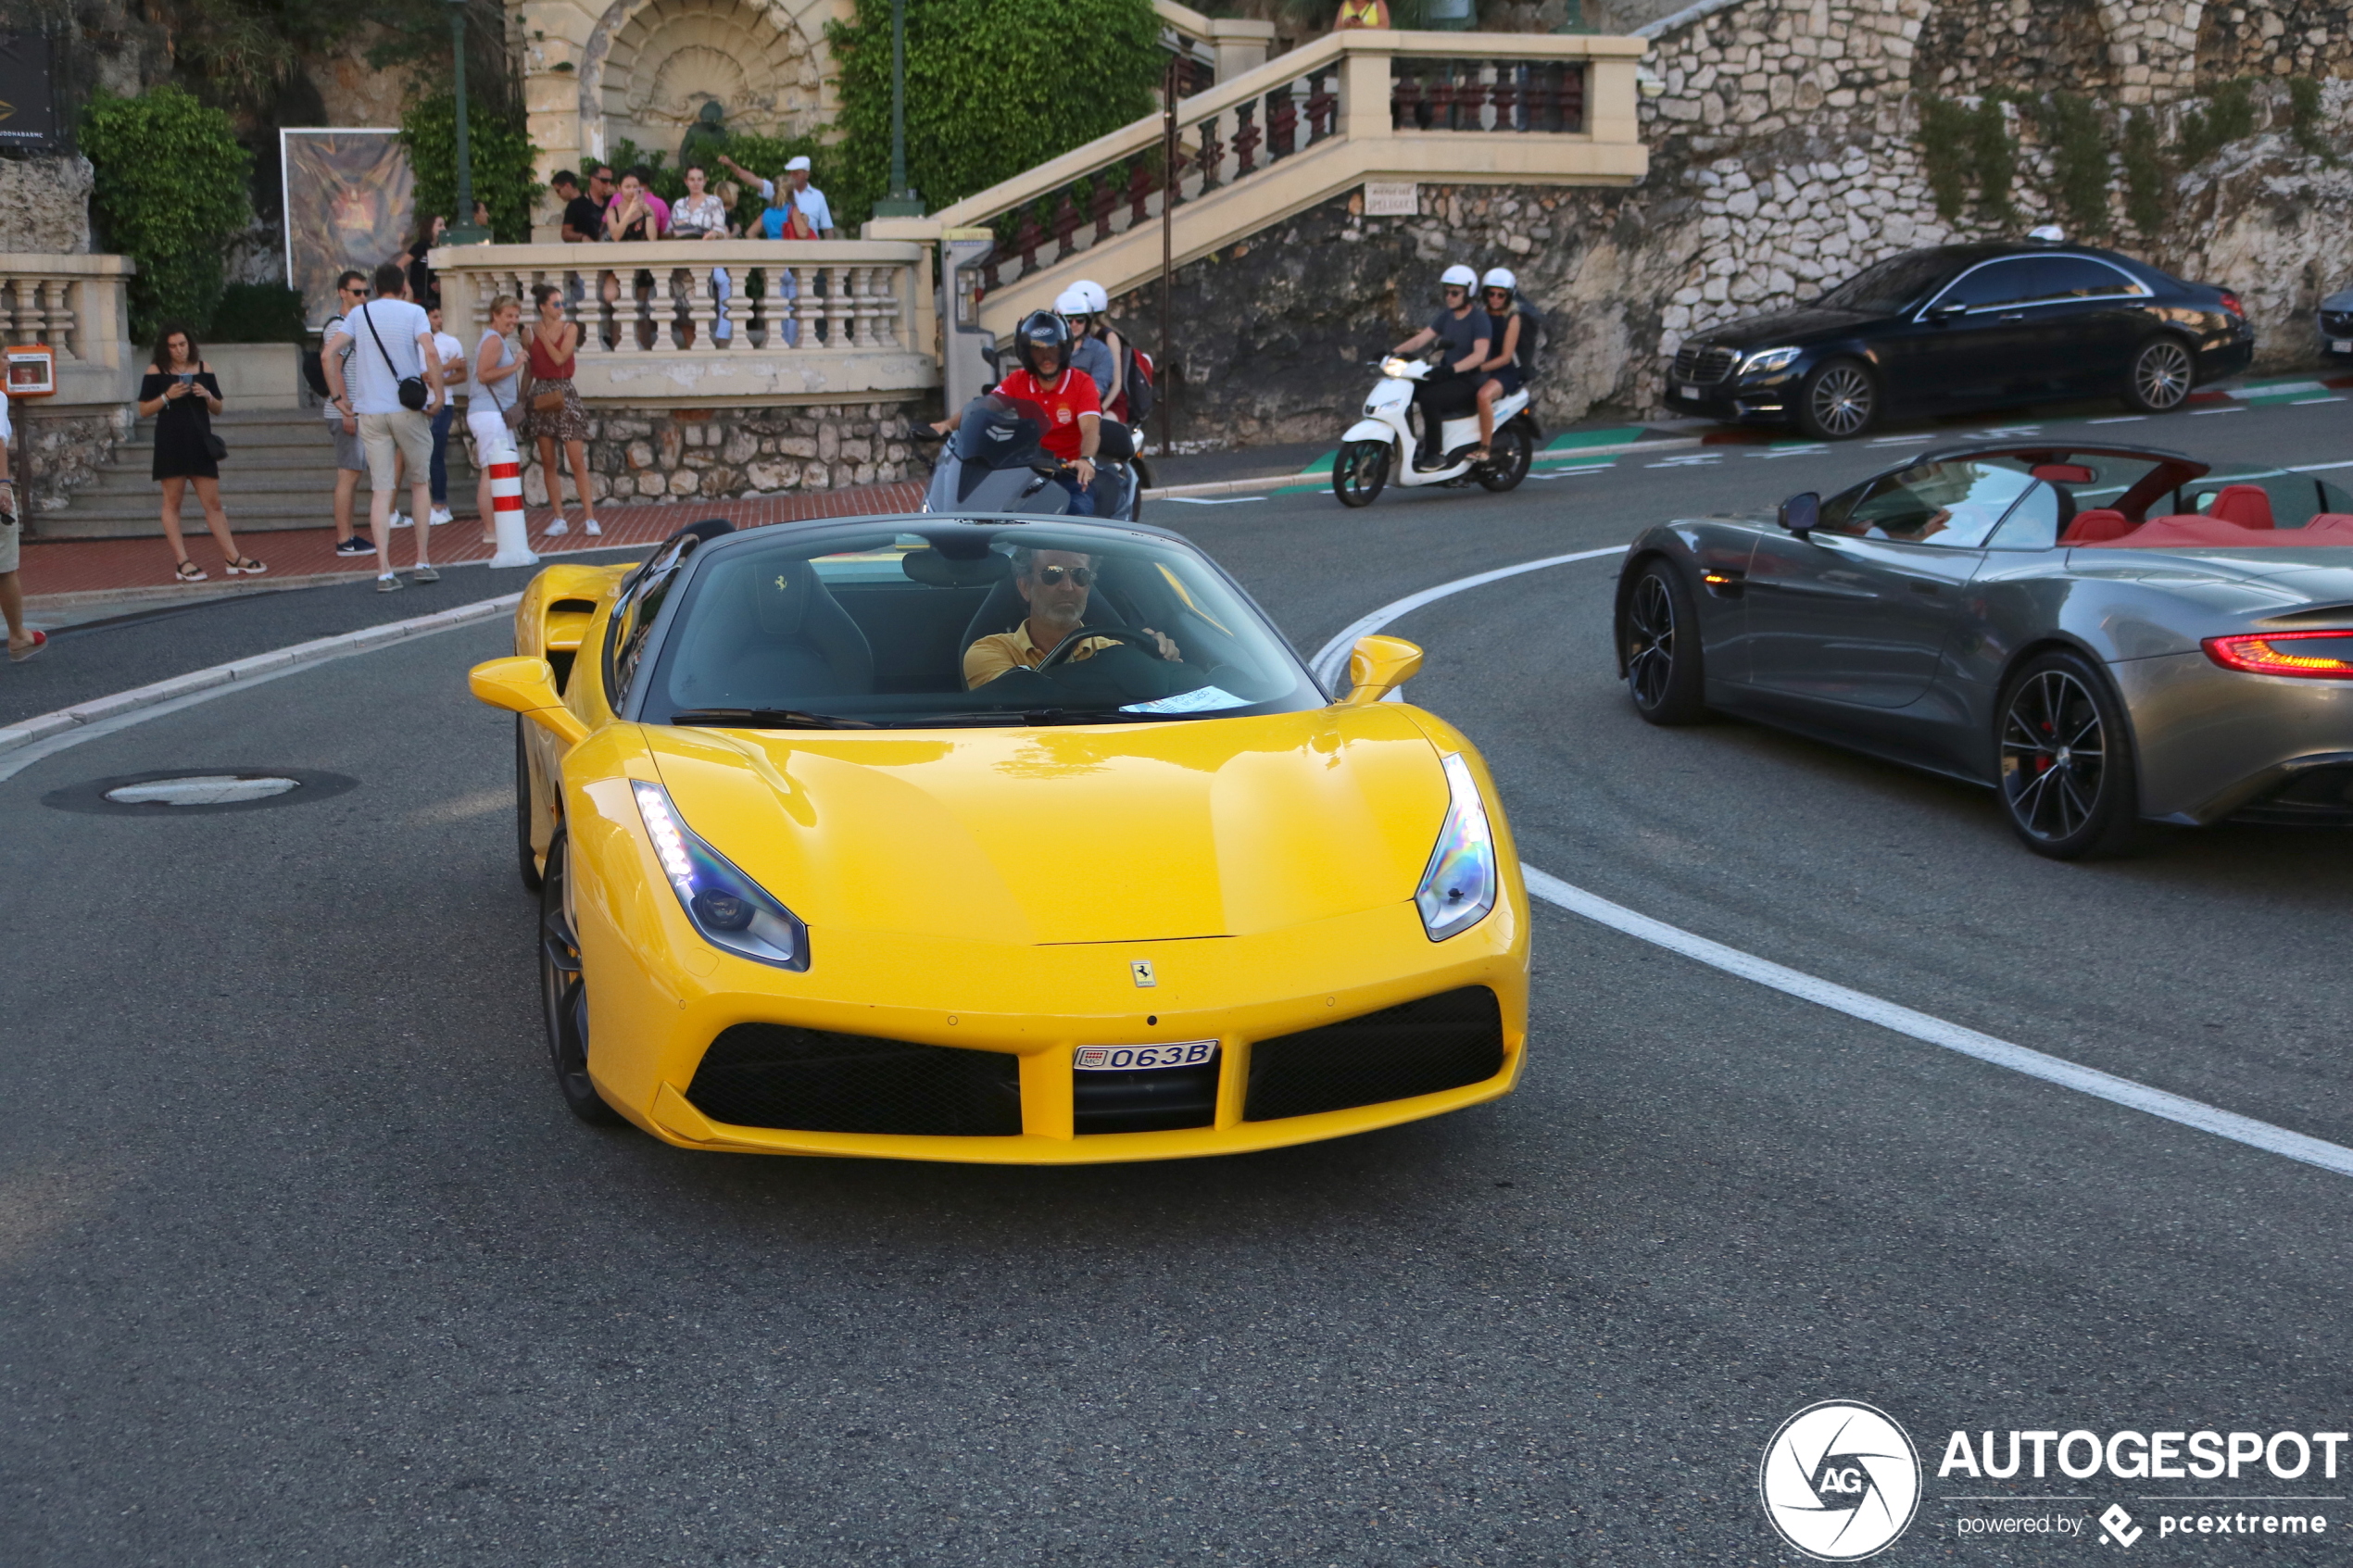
<point x="2325" y="527"/>
<point x="2099" y="525"/>
<point x="2247" y="505"/>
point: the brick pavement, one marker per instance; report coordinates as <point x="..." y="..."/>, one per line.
<point x="87" y="566"/>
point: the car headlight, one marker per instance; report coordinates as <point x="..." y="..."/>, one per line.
<point x="1766" y="360"/>
<point x="1459" y="887"/>
<point x="728" y="909"/>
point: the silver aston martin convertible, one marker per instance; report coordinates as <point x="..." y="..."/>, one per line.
<point x="2105" y="635"/>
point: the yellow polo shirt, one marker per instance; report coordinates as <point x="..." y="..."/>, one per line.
<point x="991" y="657"/>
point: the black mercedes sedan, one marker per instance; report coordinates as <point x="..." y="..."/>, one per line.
<point x="2336" y="325"/>
<point x="1959" y="328"/>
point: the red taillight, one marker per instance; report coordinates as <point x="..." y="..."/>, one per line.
<point x="2231" y="303"/>
<point x="2278" y="653"/>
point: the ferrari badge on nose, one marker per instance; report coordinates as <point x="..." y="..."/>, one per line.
<point x="1142" y="970"/>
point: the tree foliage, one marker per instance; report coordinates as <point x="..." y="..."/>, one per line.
<point x="171" y="193"/>
<point x="993" y="90"/>
<point x="2080" y="150"/>
<point x="2144" y="173"/>
<point x="499" y="154"/>
<point x="1946" y="129"/>
<point x="2228" y="115"/>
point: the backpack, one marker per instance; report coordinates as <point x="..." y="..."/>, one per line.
<point x="314" y="373"/>
<point x="1139" y="381"/>
<point x="1532" y="342"/>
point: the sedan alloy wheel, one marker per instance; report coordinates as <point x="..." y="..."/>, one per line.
<point x="2161" y="376"/>
<point x="1837" y="402"/>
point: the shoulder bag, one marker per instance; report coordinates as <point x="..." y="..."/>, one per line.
<point x="413" y="395"/>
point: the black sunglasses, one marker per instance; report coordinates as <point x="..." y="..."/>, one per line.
<point x="1051" y="576"/>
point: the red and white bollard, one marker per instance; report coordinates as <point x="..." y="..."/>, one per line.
<point x="506" y="509"/>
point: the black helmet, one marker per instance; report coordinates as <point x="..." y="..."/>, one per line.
<point x="1042" y="328"/>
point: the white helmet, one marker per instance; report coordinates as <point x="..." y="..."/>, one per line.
<point x="1500" y="278"/>
<point x="1083" y="298"/>
<point x="1458" y="276"/>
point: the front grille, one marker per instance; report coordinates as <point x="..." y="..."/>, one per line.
<point x="1704" y="364"/>
<point x="1441" y="1042"/>
<point x="2321" y="798"/>
<point x="2337" y="323"/>
<point x="814" y="1081"/>
<point x="1150" y="1099"/>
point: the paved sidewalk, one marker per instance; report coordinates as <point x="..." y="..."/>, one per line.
<point x="90" y="567"/>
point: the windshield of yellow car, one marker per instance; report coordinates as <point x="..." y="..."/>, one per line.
<point x="978" y="623"/>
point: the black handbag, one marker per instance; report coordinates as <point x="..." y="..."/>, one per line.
<point x="412" y="388"/>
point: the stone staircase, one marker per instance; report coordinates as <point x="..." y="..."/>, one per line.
<point x="280" y="475"/>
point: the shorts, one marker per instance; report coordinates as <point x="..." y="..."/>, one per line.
<point x="410" y="433"/>
<point x="494" y="442"/>
<point x="349" y="452"/>
<point x="11" y="532"/>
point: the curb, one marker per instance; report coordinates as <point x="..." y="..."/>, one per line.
<point x="272" y="662"/>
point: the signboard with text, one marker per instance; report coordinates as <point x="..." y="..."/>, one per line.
<point x="29" y="93"/>
<point x="1392" y="198"/>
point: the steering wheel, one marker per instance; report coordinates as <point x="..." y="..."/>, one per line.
<point x="1063" y="650"/>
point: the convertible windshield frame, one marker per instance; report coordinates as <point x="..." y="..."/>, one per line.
<point x="831" y="536"/>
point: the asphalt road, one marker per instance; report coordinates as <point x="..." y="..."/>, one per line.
<point x="302" y="1261"/>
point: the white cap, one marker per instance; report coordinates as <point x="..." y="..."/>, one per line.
<point x="2050" y="233"/>
<point x="1459" y="276"/>
<point x="801" y="162"/>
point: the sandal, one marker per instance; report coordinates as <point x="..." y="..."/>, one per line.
<point x="246" y="565"/>
<point x="189" y="572"/>
<point x="40" y="641"/>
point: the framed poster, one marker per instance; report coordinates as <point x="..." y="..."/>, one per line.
<point x="350" y="201"/>
<point x="28" y="94"/>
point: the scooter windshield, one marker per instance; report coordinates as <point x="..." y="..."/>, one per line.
<point x="998" y="431"/>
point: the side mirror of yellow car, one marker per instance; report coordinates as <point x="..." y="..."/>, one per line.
<point x="527" y="687"/>
<point x="1378" y="666"/>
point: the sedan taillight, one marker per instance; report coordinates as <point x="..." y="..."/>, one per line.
<point x="2324" y="655"/>
<point x="2231" y="304"/>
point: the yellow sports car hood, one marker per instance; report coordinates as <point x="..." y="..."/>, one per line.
<point x="1222" y="827"/>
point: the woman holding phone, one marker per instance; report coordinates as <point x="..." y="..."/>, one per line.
<point x="549" y="345"/>
<point x="180" y="394"/>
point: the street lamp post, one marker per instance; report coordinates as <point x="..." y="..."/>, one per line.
<point x="901" y="202"/>
<point x="462" y="229"/>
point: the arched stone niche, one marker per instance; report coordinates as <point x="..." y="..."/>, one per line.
<point x="649" y="66"/>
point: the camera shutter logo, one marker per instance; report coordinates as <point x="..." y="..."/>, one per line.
<point x="1840" y="1481"/>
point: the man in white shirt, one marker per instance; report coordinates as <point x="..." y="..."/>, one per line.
<point x="797" y="194"/>
<point x="22" y="644"/>
<point x="392" y="340"/>
<point x="351" y="458"/>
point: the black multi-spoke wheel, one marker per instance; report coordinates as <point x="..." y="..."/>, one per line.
<point x="1838" y="402"/>
<point x="1508" y="458"/>
<point x="2162" y="374"/>
<point x="2067" y="777"/>
<point x="563" y="994"/>
<point x="1359" y="472"/>
<point x="1658" y="639"/>
<point x="528" y="860"/>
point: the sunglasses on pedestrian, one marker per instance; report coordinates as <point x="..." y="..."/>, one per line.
<point x="1080" y="576"/>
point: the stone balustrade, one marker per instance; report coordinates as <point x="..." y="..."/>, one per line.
<point x="802" y="322"/>
<point x="75" y="304"/>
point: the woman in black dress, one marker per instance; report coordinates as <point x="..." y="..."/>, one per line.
<point x="183" y="395"/>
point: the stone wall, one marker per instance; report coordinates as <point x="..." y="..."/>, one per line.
<point x="675" y="454"/>
<point x="68" y="447"/>
<point x="44" y="204"/>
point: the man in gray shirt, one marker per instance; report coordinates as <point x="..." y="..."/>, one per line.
<point x="1449" y="392"/>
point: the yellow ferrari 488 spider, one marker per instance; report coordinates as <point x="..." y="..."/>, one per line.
<point x="1002" y="839"/>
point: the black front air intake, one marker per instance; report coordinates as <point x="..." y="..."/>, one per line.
<point x="1441" y="1042"/>
<point x="814" y="1081"/>
<point x="1151" y="1099"/>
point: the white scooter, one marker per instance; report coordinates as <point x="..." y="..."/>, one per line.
<point x="1380" y="446"/>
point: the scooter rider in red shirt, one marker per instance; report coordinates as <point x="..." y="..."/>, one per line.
<point x="1070" y="398"/>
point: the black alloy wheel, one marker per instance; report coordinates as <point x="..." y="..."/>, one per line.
<point x="1508" y="458"/>
<point x="563" y="995"/>
<point x="1658" y="636"/>
<point x="1838" y="402"/>
<point x="2067" y="778"/>
<point x="1360" y="471"/>
<point x="2161" y="376"/>
<point x="528" y="862"/>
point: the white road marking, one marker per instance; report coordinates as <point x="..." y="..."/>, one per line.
<point x="2308" y="402"/>
<point x="2318" y="468"/>
<point x="1793" y="451"/>
<point x="23" y="745"/>
<point x="2201" y="413"/>
<point x="2118" y="420"/>
<point x="2005" y="431"/>
<point x="1332" y="658"/>
<point x="1937" y="1032"/>
<point x="1692" y="460"/>
<point x="1900" y="440"/>
<point x="1210" y="500"/>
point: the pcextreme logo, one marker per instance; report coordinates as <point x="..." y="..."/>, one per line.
<point x="1840" y="1481"/>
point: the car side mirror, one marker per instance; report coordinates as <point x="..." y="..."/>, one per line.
<point x="1801" y="513"/>
<point x="1949" y="310"/>
<point x="1378" y="666"/>
<point x="527" y="687"/>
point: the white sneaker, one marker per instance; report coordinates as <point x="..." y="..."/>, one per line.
<point x="440" y="516"/>
<point x="558" y="526"/>
<point x="591" y="528"/>
<point x="401" y="520"/>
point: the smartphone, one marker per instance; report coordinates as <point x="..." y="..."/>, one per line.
<point x="187" y="377"/>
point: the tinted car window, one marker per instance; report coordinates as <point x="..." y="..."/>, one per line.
<point x="1996" y="282"/>
<point x="1954" y="504"/>
<point x="2078" y="277"/>
<point x="1884" y="288"/>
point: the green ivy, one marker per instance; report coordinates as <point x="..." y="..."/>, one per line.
<point x="170" y="195"/>
<point x="2304" y="118"/>
<point x="498" y="149"/>
<point x="2145" y="184"/>
<point x="993" y="90"/>
<point x="1994" y="158"/>
<point x="2229" y="114"/>
<point x="1945" y="130"/>
<point x="259" y="313"/>
<point x="2079" y="146"/>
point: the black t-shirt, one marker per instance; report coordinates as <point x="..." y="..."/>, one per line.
<point x="1459" y="334"/>
<point x="582" y="216"/>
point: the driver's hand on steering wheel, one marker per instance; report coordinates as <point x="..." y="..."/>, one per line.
<point x="1168" y="648"/>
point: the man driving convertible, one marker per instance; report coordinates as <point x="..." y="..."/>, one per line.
<point x="1054" y="583"/>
